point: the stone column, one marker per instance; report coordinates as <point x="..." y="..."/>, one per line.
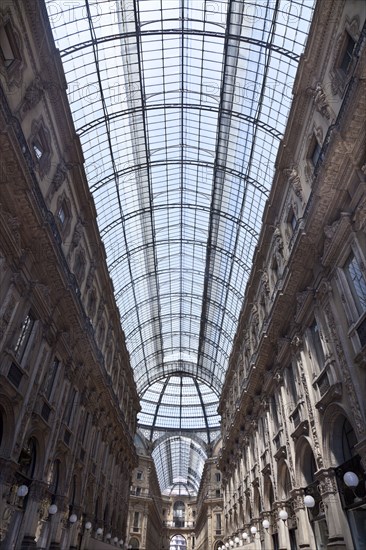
<point x="75" y="528"/>
<point x="267" y="539"/>
<point x="282" y="528"/>
<point x="339" y="533"/>
<point x="305" y="535"/>
<point x="58" y="522"/>
<point x="31" y="518"/>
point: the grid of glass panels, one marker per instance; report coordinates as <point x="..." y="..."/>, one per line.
<point x="179" y="403"/>
<point x="179" y="462"/>
<point x="180" y="106"/>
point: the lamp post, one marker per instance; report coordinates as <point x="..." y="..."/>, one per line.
<point x="22" y="491"/>
<point x="351" y="480"/>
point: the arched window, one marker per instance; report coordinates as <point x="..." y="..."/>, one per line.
<point x="178" y="542"/>
<point x="28" y="457"/>
<point x="349" y="441"/>
<point x="54" y="478"/>
<point x="179" y="513"/>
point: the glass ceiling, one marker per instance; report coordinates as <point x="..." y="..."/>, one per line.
<point x="180" y="106"/>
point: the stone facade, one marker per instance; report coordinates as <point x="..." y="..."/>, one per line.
<point x="68" y="402"/>
<point x="293" y="405"/>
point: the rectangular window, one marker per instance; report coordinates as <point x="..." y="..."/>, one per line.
<point x="315" y="152"/>
<point x="218" y="522"/>
<point x="357" y="283"/>
<point x="218" y="477"/>
<point x="24" y="336"/>
<point x="139" y="475"/>
<point x="291" y="385"/>
<point x="317" y="344"/>
<point x="136" y="519"/>
<point x="9" y="52"/>
<point x="50" y="378"/>
<point x="70" y="407"/>
<point x="61" y="214"/>
<point x="15" y="375"/>
<point x="86" y="422"/>
<point x="346" y="57"/>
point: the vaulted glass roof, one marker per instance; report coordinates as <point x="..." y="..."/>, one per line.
<point x="180" y="106"/>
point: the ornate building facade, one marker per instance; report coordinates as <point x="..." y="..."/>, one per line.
<point x="68" y="402"/>
<point x="293" y="405"/>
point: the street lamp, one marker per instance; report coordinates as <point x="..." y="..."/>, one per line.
<point x="22" y="491"/>
<point x="73" y="518"/>
<point x="351" y="480"/>
<point x="52" y="510"/>
<point x="309" y="501"/>
<point x="253" y="530"/>
<point x="283" y="515"/>
<point x="265" y="524"/>
<point x="88" y="525"/>
<point x="244" y="536"/>
<point x="237" y="540"/>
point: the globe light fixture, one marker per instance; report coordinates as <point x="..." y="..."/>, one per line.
<point x="121" y="542"/>
<point x="237" y="540"/>
<point x="231" y="542"/>
<point x="253" y="530"/>
<point x="88" y="525"/>
<point x="227" y="544"/>
<point x="309" y="501"/>
<point x="115" y="540"/>
<point x="52" y="510"/>
<point x="283" y="515"/>
<point x="99" y="531"/>
<point x="244" y="536"/>
<point x="265" y="524"/>
<point x="351" y="479"/>
<point x="109" y="536"/>
<point x="22" y="491"/>
<point x="73" y="518"/>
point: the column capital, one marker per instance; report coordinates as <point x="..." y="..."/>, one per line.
<point x="327" y="481"/>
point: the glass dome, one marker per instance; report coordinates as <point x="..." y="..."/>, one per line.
<point x="180" y="107"/>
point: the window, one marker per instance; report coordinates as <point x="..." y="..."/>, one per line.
<point x="317" y="345"/>
<point x="50" y="378"/>
<point x="139" y="475"/>
<point x="218" y="477"/>
<point x="9" y="51"/>
<point x="349" y="440"/>
<point x="63" y="215"/>
<point x="218" y="523"/>
<point x="346" y="53"/>
<point x="315" y="150"/>
<point x="291" y="385"/>
<point x="24" y="336"/>
<point x="138" y="491"/>
<point x="86" y="422"/>
<point x="70" y="406"/>
<point x="136" y="519"/>
<point x="40" y="146"/>
<point x="357" y="283"/>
